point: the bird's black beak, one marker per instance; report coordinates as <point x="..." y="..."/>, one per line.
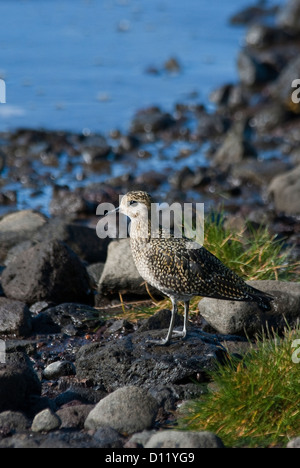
<point x="116" y="210"/>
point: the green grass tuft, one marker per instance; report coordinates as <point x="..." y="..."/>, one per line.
<point x="257" y="400"/>
<point x="254" y="254"/>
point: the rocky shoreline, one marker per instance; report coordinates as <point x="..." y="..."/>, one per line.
<point x="68" y="363"/>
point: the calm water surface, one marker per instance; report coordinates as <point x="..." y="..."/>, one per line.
<point x="77" y="64"/>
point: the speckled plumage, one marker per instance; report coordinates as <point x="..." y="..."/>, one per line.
<point x="178" y="269"/>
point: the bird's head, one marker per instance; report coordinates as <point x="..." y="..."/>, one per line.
<point x="136" y="205"/>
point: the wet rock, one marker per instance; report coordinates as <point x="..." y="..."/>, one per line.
<point x="211" y="125"/>
<point x="220" y="95"/>
<point x="67" y="204"/>
<point x="18" y="227"/>
<point x="48" y="271"/>
<point x="79" y="393"/>
<point x="81" y="239"/>
<point x="95" y="148"/>
<point x="151" y="120"/>
<point x="127" y="410"/>
<point x="252" y="14"/>
<point x="73" y="417"/>
<point x="121" y="276"/>
<point x="259" y="172"/>
<point x="182" y="179"/>
<point x="15" y="317"/>
<point x="18" y="382"/>
<point x="172" y="65"/>
<point x="240" y="318"/>
<point x="160" y="320"/>
<point x="230" y="96"/>
<point x="15" y="251"/>
<point x="2" y="161"/>
<point x="284" y="190"/>
<point x="261" y="35"/>
<point x="131" y="360"/>
<point x="95" y="271"/>
<point x="139" y="439"/>
<point x="40" y="306"/>
<point x="107" y="437"/>
<point x="235" y="147"/>
<point x="69" y="318"/>
<point x="184" y="439"/>
<point x="119" y="326"/>
<point x="13" y="421"/>
<point x="268" y="117"/>
<point x="8" y="197"/>
<point x="45" y="421"/>
<point x="58" y="369"/>
<point x="295" y="157"/>
<point x="282" y="90"/>
<point x="127" y="143"/>
<point x="56" y="439"/>
<point x="152" y="179"/>
<point x="289" y="16"/>
<point x="252" y="71"/>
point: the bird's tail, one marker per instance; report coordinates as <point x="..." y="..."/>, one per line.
<point x="262" y="299"/>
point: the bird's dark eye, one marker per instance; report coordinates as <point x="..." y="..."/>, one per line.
<point x="132" y="203"/>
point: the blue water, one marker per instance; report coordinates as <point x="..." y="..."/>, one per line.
<point x="82" y="64"/>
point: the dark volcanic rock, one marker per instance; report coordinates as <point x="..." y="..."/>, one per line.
<point x="244" y="318"/>
<point x="18" y="227"/>
<point x="82" y="240"/>
<point x="282" y="90"/>
<point x="68" y="318"/>
<point x="56" y="439"/>
<point x="13" y="421"/>
<point x="133" y="361"/>
<point x="120" y="273"/>
<point x="48" y="271"/>
<point x="289" y="16"/>
<point x="151" y="120"/>
<point x="159" y="320"/>
<point x="67" y="203"/>
<point x="18" y="381"/>
<point x="14" y="317"/>
<point x="253" y="71"/>
<point x="236" y="146"/>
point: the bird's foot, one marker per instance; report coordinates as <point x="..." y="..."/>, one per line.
<point x="179" y="334"/>
<point x="163" y="342"/>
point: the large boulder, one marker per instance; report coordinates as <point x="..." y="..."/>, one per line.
<point x="15" y="317"/>
<point x="127" y="410"/>
<point x="18" y="227"/>
<point x="83" y="240"/>
<point x="132" y="360"/>
<point x="18" y="382"/>
<point x="120" y="274"/>
<point x="285" y="191"/>
<point x="48" y="271"/>
<point x="245" y="318"/>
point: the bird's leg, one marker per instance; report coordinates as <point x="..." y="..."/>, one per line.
<point x="166" y="340"/>
<point x="183" y="333"/>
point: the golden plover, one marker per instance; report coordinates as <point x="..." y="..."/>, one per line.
<point x="179" y="268"/>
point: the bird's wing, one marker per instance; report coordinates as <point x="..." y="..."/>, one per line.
<point x="182" y="263"/>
